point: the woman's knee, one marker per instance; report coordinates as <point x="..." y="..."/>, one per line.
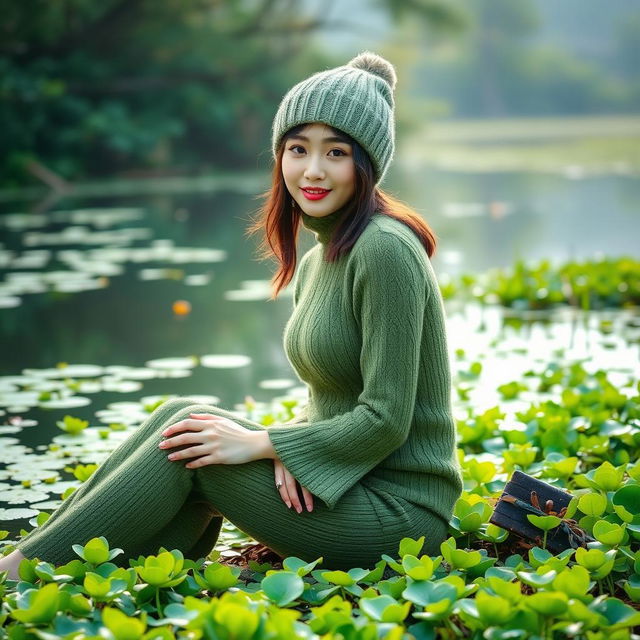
<point x="168" y="413"/>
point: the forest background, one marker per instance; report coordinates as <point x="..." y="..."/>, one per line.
<point x="135" y="88"/>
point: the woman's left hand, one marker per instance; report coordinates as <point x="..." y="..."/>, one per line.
<point x="214" y="440"/>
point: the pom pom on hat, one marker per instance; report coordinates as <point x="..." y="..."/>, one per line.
<point x="377" y="65"/>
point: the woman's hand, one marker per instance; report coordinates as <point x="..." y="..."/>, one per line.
<point x="214" y="440"/>
<point x="286" y="485"/>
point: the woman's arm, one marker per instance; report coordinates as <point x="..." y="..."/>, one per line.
<point x="264" y="448"/>
<point x="392" y="284"/>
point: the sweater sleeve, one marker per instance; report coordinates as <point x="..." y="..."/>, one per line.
<point x="390" y="290"/>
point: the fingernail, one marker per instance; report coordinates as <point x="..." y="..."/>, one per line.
<point x="299" y="509"/>
<point x="288" y="504"/>
<point x="309" y="509"/>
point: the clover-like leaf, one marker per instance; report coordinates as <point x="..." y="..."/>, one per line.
<point x="626" y="502"/>
<point x="122" y="626"/>
<point x="42" y="605"/>
<point x="573" y="581"/>
<point x="282" y="587"/>
<point x="609" y="533"/>
<point x="546" y="523"/>
<point x="548" y="603"/>
<point x="410" y="546"/>
<point x="592" y="504"/>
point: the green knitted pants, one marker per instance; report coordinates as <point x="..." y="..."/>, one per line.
<point x="140" y="501"/>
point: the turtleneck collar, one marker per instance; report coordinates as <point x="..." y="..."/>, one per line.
<point x="323" y="226"/>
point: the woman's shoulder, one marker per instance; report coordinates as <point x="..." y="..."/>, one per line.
<point x="388" y="234"/>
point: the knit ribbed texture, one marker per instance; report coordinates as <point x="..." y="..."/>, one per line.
<point x="356" y="98"/>
<point x="367" y="336"/>
<point x="140" y="501"/>
<point x="375" y="443"/>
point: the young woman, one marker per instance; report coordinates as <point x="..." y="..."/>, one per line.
<point x="372" y="455"/>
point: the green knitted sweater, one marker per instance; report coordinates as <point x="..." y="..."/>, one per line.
<point x="367" y="336"/>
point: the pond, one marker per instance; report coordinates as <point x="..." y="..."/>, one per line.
<point x="127" y="283"/>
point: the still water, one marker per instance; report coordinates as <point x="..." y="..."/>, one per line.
<point x="145" y="253"/>
<point x="95" y="281"/>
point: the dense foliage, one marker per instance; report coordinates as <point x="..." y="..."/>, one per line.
<point x="591" y="284"/>
<point x="91" y="88"/>
<point x="485" y="583"/>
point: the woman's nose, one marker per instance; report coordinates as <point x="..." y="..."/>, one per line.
<point x="314" y="168"/>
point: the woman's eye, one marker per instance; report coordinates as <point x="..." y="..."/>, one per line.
<point x="294" y="147"/>
<point x="340" y="152"/>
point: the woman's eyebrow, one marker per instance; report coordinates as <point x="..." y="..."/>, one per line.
<point x="329" y="139"/>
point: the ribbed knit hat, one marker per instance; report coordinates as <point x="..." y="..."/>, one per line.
<point x="356" y="98"/>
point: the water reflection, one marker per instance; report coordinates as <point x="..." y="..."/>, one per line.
<point x="164" y="294"/>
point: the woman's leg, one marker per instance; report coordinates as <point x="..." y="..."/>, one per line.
<point x="136" y="496"/>
<point x="133" y="495"/>
<point x="363" y="525"/>
<point x="197" y="521"/>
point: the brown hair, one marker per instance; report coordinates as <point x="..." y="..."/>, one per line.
<point x="279" y="216"/>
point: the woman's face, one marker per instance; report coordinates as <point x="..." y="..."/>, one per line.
<point x="318" y="170"/>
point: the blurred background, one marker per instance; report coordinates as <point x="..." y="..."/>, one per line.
<point x="135" y="140"/>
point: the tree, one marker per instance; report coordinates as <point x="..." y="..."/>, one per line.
<point x="91" y="88"/>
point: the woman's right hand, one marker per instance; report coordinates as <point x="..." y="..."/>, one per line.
<point x="287" y="489"/>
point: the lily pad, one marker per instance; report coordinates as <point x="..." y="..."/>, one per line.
<point x="17" y="514"/>
<point x="276" y="383"/>
<point x="65" y="403"/>
<point x="225" y="361"/>
<point x="172" y="363"/>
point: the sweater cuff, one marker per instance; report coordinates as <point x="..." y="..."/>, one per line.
<point x="305" y="463"/>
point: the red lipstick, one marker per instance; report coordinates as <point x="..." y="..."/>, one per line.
<point x="315" y="193"/>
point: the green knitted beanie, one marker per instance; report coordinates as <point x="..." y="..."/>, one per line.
<point x="356" y="98"/>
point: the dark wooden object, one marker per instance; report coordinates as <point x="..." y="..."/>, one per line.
<point x="513" y="517"/>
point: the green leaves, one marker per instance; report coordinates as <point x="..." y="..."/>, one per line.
<point x="38" y="606"/>
<point x="457" y="558"/>
<point x="426" y="592"/>
<point x="163" y="570"/>
<point x="385" y="609"/>
<point x="606" y="477"/>
<point x="410" y="546"/>
<point x="584" y="437"/>
<point x="217" y="577"/>
<point x="122" y="626"/>
<point x="283" y="587"/>
<point x="96" y="551"/>
<point x="596" y="562"/>
<point x="626" y="502"/>
<point x="103" y="589"/>
<point x="551" y="603"/>
<point x="72" y="426"/>
<point x="298" y="566"/>
<point x="561" y="593"/>
<point x="84" y="471"/>
<point x="546" y="523"/>
<point x="419" y="569"/>
<point x="618" y="614"/>
<point x="574" y="582"/>
<point x="609" y="533"/>
<point x="592" y="504"/>
<point x="471" y="512"/>
<point x="493" y="610"/>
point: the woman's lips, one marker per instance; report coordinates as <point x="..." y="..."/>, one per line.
<point x="315" y="195"/>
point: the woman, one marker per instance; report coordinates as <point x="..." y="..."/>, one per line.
<point x="374" y="449"/>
